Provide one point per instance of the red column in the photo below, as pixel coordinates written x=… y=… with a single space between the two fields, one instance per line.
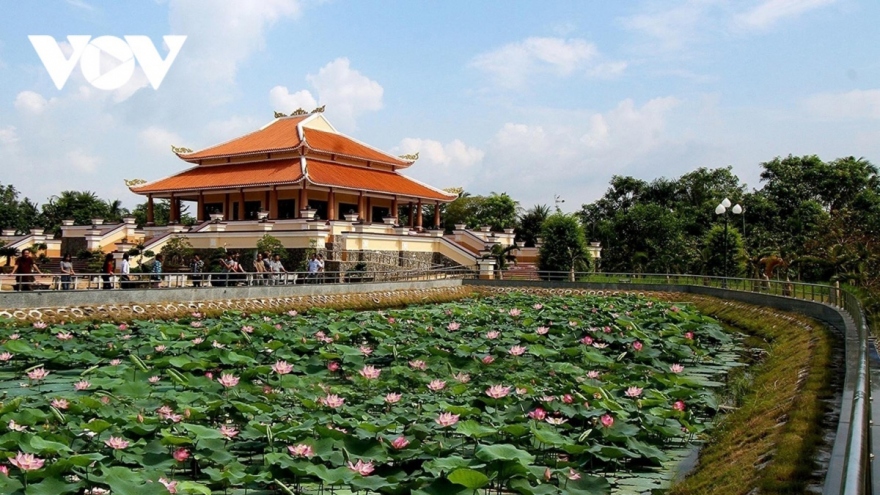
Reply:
x=436 y=214
x=331 y=205
x=303 y=201
x=150 y=218
x=200 y=213
x=412 y=216
x=241 y=204
x=227 y=209
x=172 y=210
x=362 y=207
x=419 y=215
x=273 y=203
x=394 y=207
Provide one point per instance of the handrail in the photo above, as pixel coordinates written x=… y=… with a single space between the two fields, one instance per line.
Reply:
x=852 y=473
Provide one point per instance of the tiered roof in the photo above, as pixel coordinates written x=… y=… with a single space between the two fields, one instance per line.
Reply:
x=290 y=150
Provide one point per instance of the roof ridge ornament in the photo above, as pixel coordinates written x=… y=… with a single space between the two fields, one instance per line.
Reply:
x=410 y=157
x=279 y=115
x=134 y=182
x=180 y=150
x=298 y=111
x=318 y=110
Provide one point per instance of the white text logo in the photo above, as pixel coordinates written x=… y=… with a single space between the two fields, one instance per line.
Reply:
x=107 y=62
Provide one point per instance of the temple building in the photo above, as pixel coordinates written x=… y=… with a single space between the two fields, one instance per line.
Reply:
x=296 y=166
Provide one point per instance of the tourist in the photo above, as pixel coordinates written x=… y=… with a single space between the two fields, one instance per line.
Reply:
x=67 y=272
x=156 y=272
x=277 y=268
x=24 y=267
x=314 y=266
x=320 y=268
x=260 y=269
x=125 y=278
x=197 y=266
x=226 y=269
x=107 y=271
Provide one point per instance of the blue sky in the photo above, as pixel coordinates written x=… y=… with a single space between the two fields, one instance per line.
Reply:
x=530 y=98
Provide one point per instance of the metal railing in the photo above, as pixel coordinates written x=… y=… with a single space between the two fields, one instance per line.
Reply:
x=850 y=466
x=172 y=280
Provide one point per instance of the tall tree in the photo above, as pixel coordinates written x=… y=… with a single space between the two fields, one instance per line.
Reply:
x=530 y=223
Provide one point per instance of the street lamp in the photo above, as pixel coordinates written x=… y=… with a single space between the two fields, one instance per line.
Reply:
x=721 y=209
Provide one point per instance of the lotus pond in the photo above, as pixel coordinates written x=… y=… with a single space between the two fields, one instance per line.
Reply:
x=504 y=394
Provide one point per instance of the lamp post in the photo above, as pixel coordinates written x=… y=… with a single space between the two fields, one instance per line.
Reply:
x=721 y=209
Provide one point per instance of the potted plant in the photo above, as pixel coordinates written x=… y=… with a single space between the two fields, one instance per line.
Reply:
x=351 y=216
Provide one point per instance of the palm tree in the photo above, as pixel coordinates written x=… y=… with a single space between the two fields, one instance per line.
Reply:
x=8 y=252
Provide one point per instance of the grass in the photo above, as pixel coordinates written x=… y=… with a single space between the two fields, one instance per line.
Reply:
x=769 y=441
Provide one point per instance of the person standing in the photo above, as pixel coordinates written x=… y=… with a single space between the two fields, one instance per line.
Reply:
x=156 y=272
x=24 y=267
x=107 y=271
x=277 y=269
x=197 y=266
x=320 y=268
x=125 y=278
x=67 y=272
x=260 y=269
x=313 y=267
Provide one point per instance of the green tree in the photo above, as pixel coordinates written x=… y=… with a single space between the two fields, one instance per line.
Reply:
x=716 y=244
x=498 y=211
x=272 y=245
x=81 y=206
x=177 y=251
x=564 y=248
x=530 y=223
x=463 y=210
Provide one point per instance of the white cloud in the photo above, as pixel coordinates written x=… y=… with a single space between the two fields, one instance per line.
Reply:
x=283 y=101
x=513 y=64
x=80 y=5
x=441 y=165
x=82 y=161
x=159 y=139
x=853 y=105
x=769 y=12
x=347 y=92
x=671 y=27
x=8 y=136
x=30 y=102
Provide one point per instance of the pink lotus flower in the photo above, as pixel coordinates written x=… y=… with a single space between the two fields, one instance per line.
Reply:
x=64 y=336
x=446 y=419
x=4 y=470
x=573 y=475
x=521 y=390
x=633 y=392
x=228 y=431
x=81 y=385
x=676 y=368
x=607 y=420
x=548 y=398
x=537 y=307
x=217 y=345
x=247 y=329
x=362 y=468
x=687 y=335
x=38 y=374
x=164 y=411
x=437 y=385
x=542 y=330
x=400 y=443
x=494 y=334
x=674 y=309
x=301 y=450
x=115 y=362
x=282 y=367
x=592 y=374
x=515 y=312
x=333 y=366
x=600 y=345
x=587 y=340
x=60 y=404
x=637 y=346
x=228 y=380
x=678 y=405
x=180 y=455
x=366 y=350
x=370 y=372
x=418 y=364
x=572 y=323
x=26 y=462
x=488 y=360
x=14 y=336
x=292 y=313
x=123 y=327
x=195 y=324
x=538 y=414
x=161 y=348
x=13 y=426
x=198 y=340
x=116 y=443
x=40 y=325
x=556 y=421
x=333 y=401
x=606 y=329
x=391 y=320
x=169 y=485
x=6 y=356
x=567 y=398
x=196 y=314
x=497 y=391
x=452 y=327
x=392 y=398
x=462 y=377
x=209 y=375
x=153 y=379
x=517 y=350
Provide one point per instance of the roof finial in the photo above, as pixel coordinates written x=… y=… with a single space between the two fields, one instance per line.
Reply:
x=319 y=109
x=180 y=150
x=410 y=157
x=134 y=182
x=278 y=115
x=299 y=111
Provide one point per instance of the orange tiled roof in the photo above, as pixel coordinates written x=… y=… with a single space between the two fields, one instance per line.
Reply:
x=339 y=144
x=281 y=134
x=357 y=178
x=226 y=176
